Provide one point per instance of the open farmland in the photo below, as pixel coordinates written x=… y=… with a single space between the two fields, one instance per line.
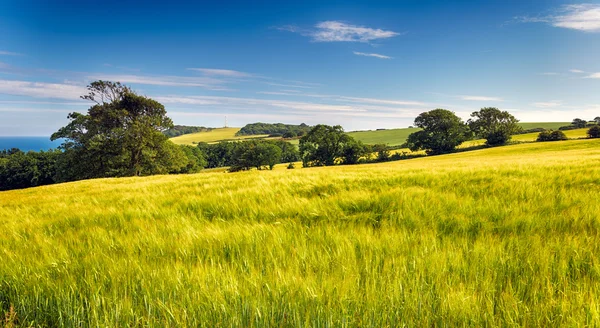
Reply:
x=504 y=236
x=215 y=135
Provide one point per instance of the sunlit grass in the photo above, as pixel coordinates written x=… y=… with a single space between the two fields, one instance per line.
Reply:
x=215 y=135
x=505 y=236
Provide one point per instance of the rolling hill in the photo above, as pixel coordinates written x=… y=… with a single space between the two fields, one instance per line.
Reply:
x=505 y=236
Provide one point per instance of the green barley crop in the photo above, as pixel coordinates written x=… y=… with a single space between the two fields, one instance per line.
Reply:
x=506 y=236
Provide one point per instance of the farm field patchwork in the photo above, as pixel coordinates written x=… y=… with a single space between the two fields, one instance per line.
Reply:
x=505 y=236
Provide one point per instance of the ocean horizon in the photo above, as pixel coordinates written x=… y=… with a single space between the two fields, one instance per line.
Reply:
x=33 y=143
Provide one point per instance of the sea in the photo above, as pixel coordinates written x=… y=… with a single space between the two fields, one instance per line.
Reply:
x=28 y=143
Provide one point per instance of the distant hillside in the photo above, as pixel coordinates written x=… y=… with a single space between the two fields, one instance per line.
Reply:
x=179 y=130
x=274 y=129
x=212 y=136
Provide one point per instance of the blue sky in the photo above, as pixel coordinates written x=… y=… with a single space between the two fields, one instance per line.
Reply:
x=360 y=64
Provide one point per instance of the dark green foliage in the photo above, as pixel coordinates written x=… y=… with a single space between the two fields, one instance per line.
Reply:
x=218 y=155
x=594 y=131
x=258 y=154
x=579 y=123
x=552 y=136
x=323 y=145
x=291 y=166
x=23 y=170
x=568 y=127
x=442 y=132
x=244 y=155
x=383 y=152
x=195 y=160
x=119 y=136
x=493 y=125
x=274 y=129
x=534 y=130
x=353 y=151
x=179 y=130
x=597 y=119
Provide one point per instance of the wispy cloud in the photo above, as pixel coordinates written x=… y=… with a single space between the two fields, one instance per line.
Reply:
x=165 y=80
x=41 y=90
x=547 y=104
x=288 y=28
x=9 y=53
x=372 y=55
x=549 y=73
x=577 y=71
x=594 y=76
x=335 y=31
x=382 y=101
x=289 y=85
x=581 y=17
x=480 y=98
x=220 y=72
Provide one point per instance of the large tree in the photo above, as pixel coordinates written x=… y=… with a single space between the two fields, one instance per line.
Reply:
x=493 y=125
x=442 y=131
x=323 y=144
x=121 y=135
x=597 y=119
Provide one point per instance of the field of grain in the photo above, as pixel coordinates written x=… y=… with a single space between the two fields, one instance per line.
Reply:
x=505 y=236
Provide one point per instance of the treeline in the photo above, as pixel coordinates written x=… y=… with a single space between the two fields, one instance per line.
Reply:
x=274 y=129
x=178 y=130
x=244 y=155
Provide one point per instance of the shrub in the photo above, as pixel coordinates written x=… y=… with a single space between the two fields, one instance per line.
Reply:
x=594 y=132
x=568 y=127
x=552 y=136
x=291 y=166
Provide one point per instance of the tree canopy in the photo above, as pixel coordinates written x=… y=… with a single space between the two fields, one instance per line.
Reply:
x=579 y=123
x=323 y=144
x=493 y=125
x=280 y=129
x=442 y=131
x=121 y=135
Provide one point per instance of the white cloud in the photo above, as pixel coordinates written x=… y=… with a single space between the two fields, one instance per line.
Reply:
x=577 y=71
x=547 y=104
x=550 y=73
x=41 y=90
x=289 y=85
x=382 y=101
x=334 y=31
x=480 y=98
x=181 y=81
x=594 y=76
x=9 y=53
x=581 y=17
x=372 y=55
x=220 y=72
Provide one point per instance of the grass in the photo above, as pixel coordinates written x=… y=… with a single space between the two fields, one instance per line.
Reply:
x=545 y=125
x=505 y=236
x=213 y=136
x=391 y=137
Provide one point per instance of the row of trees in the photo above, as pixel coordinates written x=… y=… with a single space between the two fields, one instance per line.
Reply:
x=244 y=155
x=274 y=129
x=178 y=130
x=442 y=131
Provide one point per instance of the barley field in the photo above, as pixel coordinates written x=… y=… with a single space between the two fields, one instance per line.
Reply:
x=506 y=236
